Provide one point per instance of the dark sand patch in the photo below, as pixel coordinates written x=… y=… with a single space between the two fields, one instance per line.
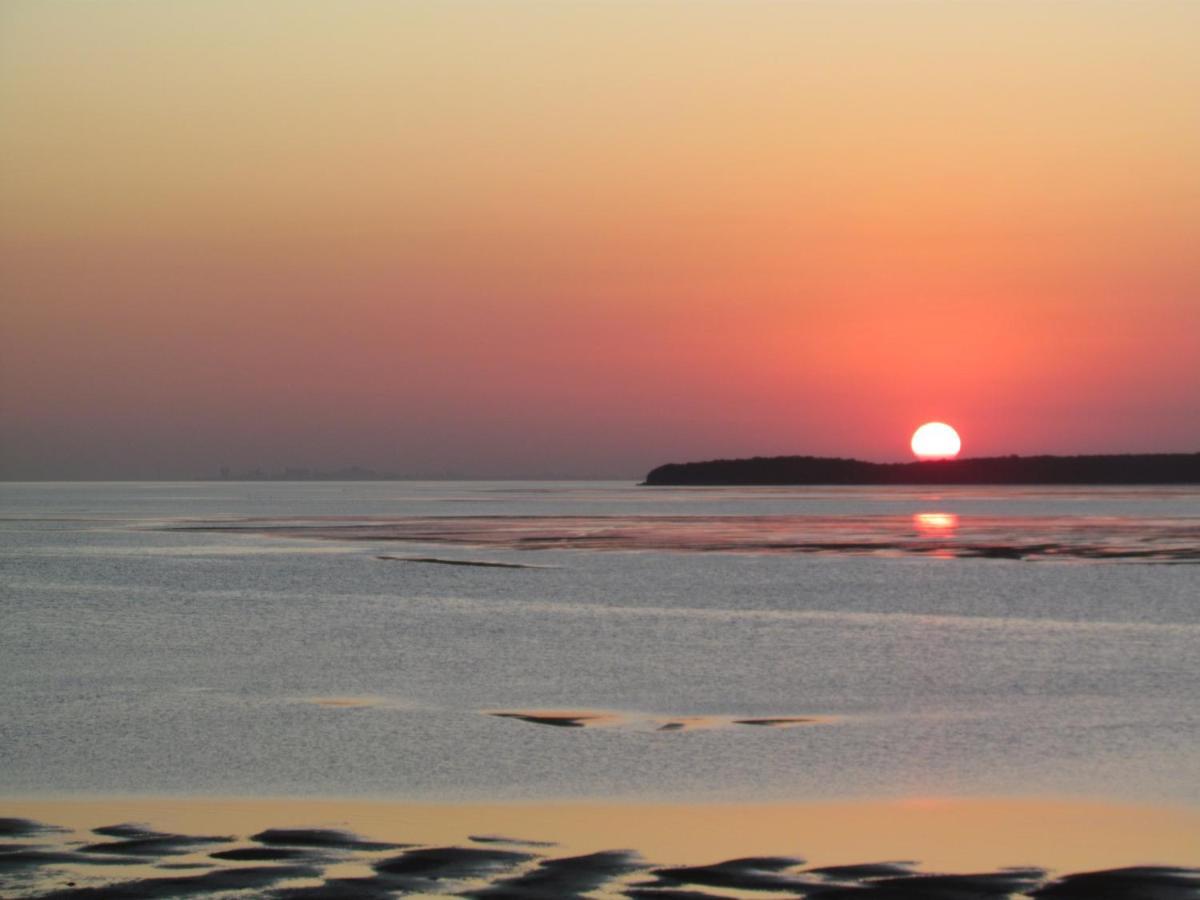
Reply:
x=266 y=854
x=500 y=839
x=340 y=889
x=323 y=838
x=11 y=827
x=567 y=877
x=861 y=871
x=938 y=887
x=558 y=720
x=37 y=858
x=1134 y=883
x=752 y=873
x=679 y=723
x=213 y=882
x=125 y=830
x=419 y=870
x=479 y=563
x=137 y=841
x=779 y=722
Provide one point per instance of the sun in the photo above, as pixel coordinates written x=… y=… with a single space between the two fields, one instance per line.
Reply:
x=936 y=440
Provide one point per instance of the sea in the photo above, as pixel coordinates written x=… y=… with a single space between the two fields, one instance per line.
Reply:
x=476 y=642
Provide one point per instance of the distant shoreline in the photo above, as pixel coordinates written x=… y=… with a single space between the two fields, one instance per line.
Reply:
x=1109 y=469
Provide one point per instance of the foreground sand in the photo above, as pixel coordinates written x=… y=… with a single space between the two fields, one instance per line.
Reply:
x=335 y=848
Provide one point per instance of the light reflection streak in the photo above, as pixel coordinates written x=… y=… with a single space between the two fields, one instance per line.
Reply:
x=936 y=524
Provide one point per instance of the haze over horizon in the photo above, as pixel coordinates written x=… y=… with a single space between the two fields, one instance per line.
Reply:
x=535 y=240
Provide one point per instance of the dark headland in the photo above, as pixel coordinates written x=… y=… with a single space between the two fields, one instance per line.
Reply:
x=1139 y=468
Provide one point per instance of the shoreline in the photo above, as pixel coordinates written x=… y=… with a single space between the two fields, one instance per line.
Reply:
x=936 y=833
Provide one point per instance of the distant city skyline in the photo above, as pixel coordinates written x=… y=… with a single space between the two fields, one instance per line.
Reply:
x=530 y=240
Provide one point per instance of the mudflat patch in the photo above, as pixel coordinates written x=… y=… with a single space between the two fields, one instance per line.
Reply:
x=476 y=563
x=650 y=721
x=778 y=722
x=290 y=863
x=559 y=719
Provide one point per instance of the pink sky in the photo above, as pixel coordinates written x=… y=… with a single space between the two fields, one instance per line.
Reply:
x=557 y=240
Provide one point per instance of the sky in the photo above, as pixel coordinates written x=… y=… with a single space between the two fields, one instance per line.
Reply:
x=517 y=239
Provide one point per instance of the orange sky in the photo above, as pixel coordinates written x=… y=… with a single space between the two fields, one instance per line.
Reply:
x=567 y=238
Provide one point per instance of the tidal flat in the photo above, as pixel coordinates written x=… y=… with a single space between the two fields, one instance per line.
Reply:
x=221 y=688
x=917 y=848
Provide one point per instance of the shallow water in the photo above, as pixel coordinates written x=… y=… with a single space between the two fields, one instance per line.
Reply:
x=143 y=654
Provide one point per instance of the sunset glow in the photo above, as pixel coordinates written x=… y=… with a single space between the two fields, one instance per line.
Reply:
x=534 y=239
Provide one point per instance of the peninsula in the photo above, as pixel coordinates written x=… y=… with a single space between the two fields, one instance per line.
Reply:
x=1142 y=468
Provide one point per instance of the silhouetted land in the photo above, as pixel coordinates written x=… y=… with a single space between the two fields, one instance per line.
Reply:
x=1143 y=468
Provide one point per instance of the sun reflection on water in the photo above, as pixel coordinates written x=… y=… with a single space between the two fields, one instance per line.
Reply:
x=935 y=524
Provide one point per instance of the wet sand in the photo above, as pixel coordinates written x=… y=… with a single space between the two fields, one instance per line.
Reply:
x=158 y=847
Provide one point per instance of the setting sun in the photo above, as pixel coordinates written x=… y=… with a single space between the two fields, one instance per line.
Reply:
x=936 y=440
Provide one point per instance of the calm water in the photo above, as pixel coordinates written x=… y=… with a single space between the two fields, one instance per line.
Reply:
x=139 y=654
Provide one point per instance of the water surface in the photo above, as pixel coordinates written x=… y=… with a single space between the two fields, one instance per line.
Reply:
x=143 y=652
